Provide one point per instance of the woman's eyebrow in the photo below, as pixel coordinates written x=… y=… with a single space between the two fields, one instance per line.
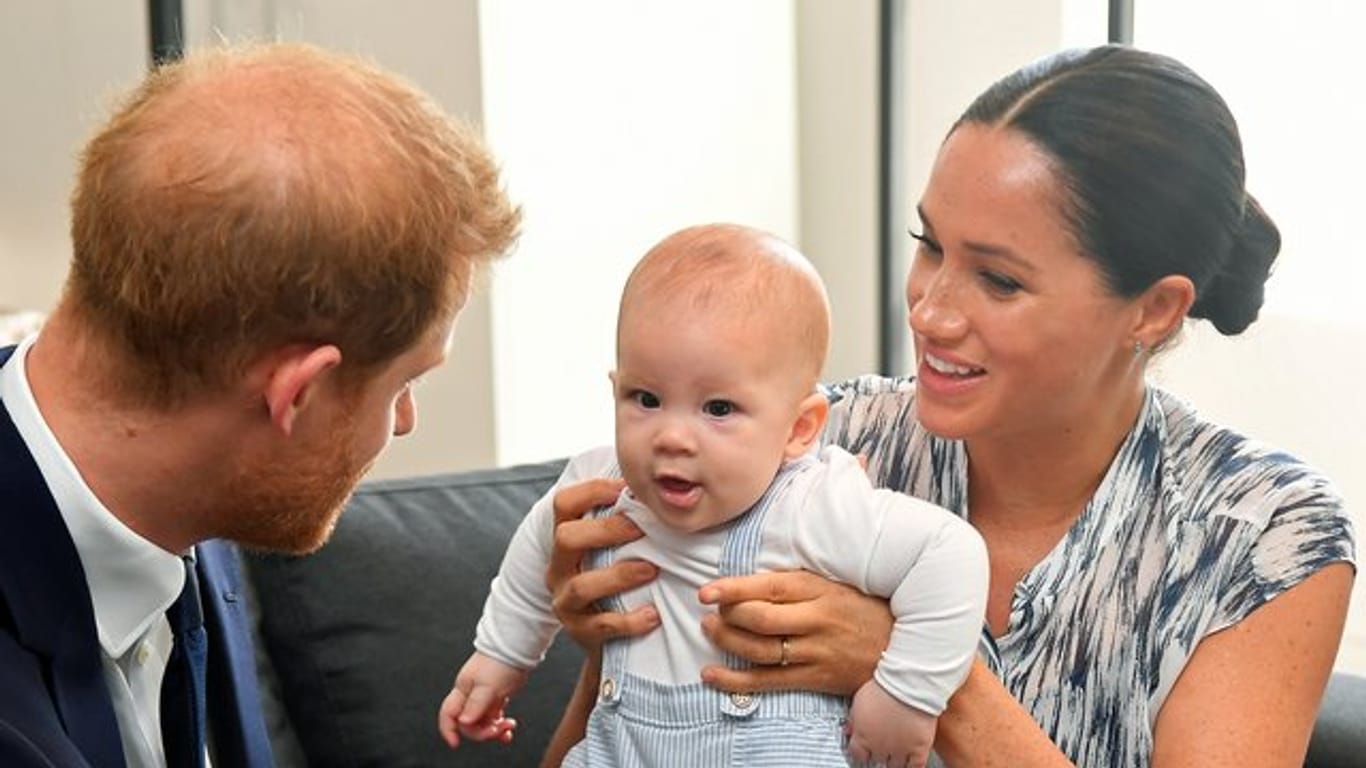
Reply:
x=980 y=248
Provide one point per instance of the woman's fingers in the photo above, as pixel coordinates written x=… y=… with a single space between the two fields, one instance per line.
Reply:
x=574 y=501
x=591 y=630
x=595 y=533
x=586 y=589
x=574 y=536
x=772 y=587
x=575 y=595
x=777 y=603
x=834 y=633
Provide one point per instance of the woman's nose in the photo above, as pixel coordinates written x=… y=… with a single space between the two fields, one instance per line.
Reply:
x=934 y=302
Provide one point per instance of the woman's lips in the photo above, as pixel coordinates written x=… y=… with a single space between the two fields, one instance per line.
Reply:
x=943 y=377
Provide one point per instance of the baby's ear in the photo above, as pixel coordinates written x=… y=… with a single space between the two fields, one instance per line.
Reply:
x=806 y=428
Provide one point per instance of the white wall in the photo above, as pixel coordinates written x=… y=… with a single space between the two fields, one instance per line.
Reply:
x=837 y=136
x=618 y=122
x=60 y=63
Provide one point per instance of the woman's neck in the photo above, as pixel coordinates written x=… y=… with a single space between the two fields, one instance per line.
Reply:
x=1045 y=476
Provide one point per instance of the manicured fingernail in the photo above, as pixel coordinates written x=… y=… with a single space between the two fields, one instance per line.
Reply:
x=709 y=623
x=709 y=594
x=651 y=615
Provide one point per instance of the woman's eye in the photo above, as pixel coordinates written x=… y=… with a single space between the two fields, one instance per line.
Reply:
x=999 y=283
x=645 y=399
x=719 y=408
x=925 y=243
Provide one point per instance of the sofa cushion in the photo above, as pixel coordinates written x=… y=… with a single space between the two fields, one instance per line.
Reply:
x=365 y=635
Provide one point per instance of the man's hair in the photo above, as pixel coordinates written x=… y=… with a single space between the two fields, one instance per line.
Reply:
x=245 y=199
x=731 y=268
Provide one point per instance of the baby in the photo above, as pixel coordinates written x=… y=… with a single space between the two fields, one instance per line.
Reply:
x=721 y=335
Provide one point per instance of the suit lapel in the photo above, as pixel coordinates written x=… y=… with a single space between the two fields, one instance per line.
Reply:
x=43 y=585
x=239 y=728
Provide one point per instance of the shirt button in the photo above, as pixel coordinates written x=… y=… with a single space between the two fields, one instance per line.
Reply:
x=142 y=653
x=609 y=686
x=742 y=700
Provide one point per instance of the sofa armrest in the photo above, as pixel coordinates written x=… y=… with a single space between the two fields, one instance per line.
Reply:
x=1339 y=739
x=366 y=634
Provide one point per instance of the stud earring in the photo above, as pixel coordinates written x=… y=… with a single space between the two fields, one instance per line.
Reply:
x=1138 y=348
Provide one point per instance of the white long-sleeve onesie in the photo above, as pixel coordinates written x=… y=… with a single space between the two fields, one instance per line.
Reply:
x=828 y=520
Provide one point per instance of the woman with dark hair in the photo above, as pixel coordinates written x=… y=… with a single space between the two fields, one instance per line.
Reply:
x=1163 y=590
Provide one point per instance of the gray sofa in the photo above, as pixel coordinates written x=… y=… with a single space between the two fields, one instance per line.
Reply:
x=361 y=640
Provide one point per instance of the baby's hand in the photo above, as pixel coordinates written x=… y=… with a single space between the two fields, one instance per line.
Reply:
x=883 y=731
x=474 y=707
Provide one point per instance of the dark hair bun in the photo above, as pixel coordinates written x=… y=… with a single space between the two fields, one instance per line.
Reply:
x=1233 y=295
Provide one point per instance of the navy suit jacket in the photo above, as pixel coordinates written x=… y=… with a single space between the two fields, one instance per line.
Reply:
x=54 y=707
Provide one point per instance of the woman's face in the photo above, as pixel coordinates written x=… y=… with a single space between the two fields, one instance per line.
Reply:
x=1015 y=333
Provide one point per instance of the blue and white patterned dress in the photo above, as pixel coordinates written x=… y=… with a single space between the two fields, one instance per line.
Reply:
x=1191 y=530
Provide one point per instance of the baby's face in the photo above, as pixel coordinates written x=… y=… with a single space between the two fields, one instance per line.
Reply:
x=705 y=407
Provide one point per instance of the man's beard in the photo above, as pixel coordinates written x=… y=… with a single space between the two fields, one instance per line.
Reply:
x=292 y=507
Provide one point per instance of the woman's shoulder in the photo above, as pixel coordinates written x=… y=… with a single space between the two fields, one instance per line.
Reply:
x=871 y=386
x=879 y=404
x=1269 y=517
x=1221 y=471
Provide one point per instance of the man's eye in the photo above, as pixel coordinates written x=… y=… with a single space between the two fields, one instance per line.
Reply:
x=719 y=408
x=645 y=399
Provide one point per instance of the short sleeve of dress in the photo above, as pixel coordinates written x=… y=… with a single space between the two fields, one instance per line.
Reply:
x=1308 y=529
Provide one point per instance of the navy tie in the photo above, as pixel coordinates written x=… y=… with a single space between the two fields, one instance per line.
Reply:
x=182 y=690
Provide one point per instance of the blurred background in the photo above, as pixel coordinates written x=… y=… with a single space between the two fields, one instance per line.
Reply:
x=619 y=121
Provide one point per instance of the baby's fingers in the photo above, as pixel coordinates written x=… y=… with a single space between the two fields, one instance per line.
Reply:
x=479 y=703
x=497 y=729
x=446 y=718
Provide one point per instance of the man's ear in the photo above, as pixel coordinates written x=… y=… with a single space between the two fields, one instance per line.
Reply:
x=293 y=378
x=806 y=429
x=1162 y=308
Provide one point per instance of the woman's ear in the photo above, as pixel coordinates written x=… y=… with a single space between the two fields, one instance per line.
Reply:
x=806 y=428
x=292 y=378
x=1162 y=308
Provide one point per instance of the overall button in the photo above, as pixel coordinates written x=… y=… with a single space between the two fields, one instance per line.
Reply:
x=742 y=700
x=609 y=687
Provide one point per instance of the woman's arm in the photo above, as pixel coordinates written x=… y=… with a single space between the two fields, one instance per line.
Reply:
x=837 y=635
x=575 y=595
x=1249 y=694
x=1247 y=697
x=985 y=726
x=574 y=723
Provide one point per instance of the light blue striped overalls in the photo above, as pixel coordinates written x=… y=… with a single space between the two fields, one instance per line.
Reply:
x=644 y=723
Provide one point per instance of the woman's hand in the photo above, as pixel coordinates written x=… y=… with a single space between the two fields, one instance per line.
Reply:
x=801 y=630
x=574 y=594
